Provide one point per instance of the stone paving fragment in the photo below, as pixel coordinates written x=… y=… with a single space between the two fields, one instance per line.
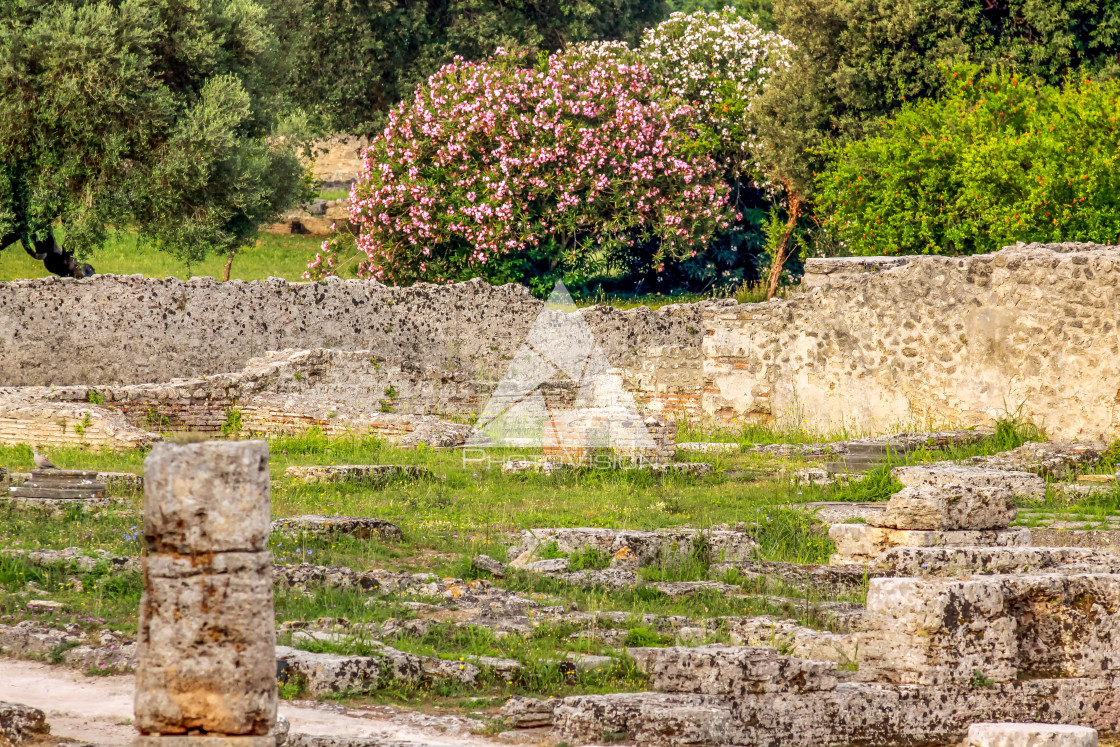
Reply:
x=80 y=558
x=731 y=670
x=646 y=718
x=489 y=565
x=337 y=673
x=362 y=474
x=647 y=545
x=968 y=561
x=358 y=527
x=528 y=713
x=1030 y=735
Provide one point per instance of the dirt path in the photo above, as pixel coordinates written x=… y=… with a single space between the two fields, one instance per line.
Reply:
x=99 y=710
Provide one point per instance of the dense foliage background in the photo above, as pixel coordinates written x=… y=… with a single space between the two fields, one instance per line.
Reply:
x=814 y=127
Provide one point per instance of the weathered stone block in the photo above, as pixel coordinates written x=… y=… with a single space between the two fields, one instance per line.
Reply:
x=947 y=508
x=20 y=723
x=967 y=561
x=209 y=740
x=937 y=631
x=335 y=673
x=207 y=497
x=731 y=670
x=646 y=719
x=362 y=474
x=860 y=543
x=205 y=645
x=949 y=475
x=1030 y=735
x=646 y=545
x=1053 y=459
x=358 y=527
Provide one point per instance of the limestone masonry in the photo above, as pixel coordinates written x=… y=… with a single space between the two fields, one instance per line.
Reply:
x=871 y=344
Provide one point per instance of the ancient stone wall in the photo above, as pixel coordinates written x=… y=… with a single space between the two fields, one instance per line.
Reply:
x=442 y=349
x=874 y=344
x=871 y=345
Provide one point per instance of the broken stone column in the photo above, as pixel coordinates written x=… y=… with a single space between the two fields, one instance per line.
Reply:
x=206 y=670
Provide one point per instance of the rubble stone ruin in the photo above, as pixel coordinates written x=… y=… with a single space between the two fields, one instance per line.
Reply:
x=206 y=669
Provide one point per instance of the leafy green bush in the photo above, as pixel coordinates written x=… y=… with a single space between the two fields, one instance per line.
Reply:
x=999 y=159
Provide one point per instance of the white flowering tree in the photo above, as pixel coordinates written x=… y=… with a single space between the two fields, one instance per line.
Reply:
x=720 y=63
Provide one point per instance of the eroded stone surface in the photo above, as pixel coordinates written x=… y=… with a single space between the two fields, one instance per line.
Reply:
x=362 y=474
x=860 y=543
x=206 y=634
x=949 y=475
x=20 y=724
x=966 y=561
x=947 y=508
x=358 y=527
x=528 y=713
x=731 y=670
x=942 y=631
x=646 y=546
x=863 y=714
x=205 y=646
x=1030 y=735
x=207 y=497
x=335 y=673
x=1054 y=459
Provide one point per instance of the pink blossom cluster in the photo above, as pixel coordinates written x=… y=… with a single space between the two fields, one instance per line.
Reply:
x=491 y=160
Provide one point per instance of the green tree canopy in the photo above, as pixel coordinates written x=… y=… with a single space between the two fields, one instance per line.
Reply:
x=353 y=60
x=998 y=159
x=860 y=60
x=162 y=114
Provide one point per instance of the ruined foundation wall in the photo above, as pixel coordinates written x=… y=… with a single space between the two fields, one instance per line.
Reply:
x=448 y=345
x=877 y=343
x=872 y=344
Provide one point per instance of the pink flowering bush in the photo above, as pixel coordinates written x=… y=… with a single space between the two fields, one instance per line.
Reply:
x=516 y=173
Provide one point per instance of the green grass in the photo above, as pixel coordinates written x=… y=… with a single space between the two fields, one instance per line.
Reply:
x=273 y=255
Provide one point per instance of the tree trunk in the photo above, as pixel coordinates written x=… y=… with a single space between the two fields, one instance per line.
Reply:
x=782 y=253
x=229 y=265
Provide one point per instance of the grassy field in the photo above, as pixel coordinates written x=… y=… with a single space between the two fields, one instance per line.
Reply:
x=469 y=507
x=275 y=255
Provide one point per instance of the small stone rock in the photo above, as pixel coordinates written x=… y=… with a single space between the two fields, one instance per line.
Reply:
x=20 y=723
x=552 y=565
x=528 y=713
x=489 y=565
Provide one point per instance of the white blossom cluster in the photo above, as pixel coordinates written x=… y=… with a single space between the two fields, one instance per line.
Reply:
x=720 y=63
